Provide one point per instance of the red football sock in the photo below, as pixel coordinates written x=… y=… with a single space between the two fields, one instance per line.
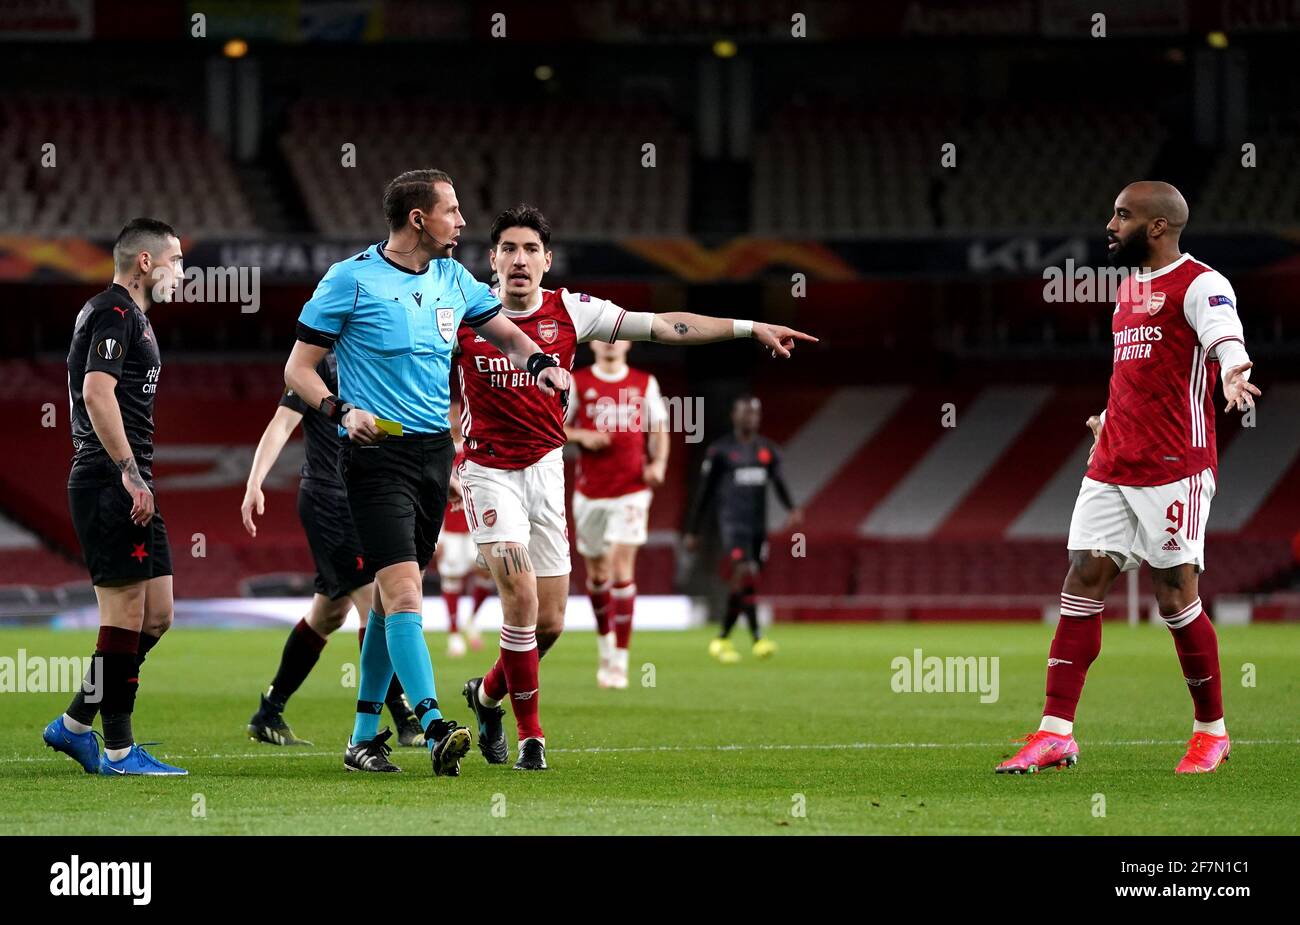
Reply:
x=479 y=593
x=519 y=658
x=452 y=600
x=1198 y=652
x=623 y=599
x=1074 y=647
x=599 y=594
x=494 y=682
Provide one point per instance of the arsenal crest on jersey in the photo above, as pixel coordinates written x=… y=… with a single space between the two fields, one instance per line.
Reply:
x=446 y=323
x=1155 y=302
x=548 y=329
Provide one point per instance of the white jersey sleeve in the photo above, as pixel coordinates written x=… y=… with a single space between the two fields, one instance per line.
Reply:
x=601 y=319
x=1210 y=307
x=654 y=404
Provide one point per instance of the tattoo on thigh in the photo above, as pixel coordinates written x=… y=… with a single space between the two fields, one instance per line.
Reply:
x=514 y=559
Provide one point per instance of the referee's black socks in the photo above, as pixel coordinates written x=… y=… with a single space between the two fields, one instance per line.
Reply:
x=301 y=653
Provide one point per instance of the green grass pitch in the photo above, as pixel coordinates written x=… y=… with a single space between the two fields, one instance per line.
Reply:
x=812 y=741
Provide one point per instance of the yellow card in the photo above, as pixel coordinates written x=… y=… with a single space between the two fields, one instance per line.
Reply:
x=389 y=427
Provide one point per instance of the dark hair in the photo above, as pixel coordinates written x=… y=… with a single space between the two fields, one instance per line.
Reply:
x=411 y=190
x=139 y=234
x=522 y=216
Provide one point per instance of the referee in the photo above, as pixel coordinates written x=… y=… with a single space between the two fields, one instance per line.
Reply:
x=113 y=371
x=391 y=313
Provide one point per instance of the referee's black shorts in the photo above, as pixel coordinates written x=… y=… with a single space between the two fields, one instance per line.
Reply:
x=117 y=550
x=397 y=492
x=341 y=565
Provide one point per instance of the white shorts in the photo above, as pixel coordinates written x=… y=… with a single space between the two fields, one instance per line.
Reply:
x=1163 y=525
x=602 y=521
x=524 y=506
x=456 y=554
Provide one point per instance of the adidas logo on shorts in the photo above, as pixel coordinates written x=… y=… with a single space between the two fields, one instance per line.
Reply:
x=1172 y=546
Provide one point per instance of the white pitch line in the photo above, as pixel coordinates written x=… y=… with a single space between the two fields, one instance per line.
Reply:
x=291 y=752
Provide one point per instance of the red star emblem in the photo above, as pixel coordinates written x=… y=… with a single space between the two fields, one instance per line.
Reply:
x=764 y=456
x=139 y=554
x=361 y=563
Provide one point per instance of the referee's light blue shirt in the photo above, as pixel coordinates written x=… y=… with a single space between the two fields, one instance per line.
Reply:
x=392 y=330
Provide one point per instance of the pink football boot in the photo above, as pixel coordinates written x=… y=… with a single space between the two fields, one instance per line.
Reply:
x=1042 y=749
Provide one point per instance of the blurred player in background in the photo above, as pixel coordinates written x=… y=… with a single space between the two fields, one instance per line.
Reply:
x=113 y=372
x=1151 y=473
x=343 y=578
x=512 y=478
x=617 y=416
x=737 y=470
x=458 y=563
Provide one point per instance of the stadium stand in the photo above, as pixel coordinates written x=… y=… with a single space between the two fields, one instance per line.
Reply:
x=843 y=172
x=139 y=158
x=593 y=150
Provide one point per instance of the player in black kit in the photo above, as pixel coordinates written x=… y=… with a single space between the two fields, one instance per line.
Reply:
x=737 y=470
x=113 y=371
x=342 y=576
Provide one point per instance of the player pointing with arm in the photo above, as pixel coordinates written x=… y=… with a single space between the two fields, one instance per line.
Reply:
x=391 y=315
x=1152 y=472
x=513 y=475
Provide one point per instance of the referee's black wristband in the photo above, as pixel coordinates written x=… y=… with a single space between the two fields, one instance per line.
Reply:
x=538 y=362
x=334 y=408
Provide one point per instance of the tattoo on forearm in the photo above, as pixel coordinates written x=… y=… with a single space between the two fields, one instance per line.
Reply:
x=515 y=560
x=132 y=472
x=681 y=328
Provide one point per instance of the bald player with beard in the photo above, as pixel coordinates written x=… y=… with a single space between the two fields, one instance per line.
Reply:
x=1152 y=471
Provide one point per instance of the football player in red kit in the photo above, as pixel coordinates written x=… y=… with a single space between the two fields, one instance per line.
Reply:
x=1152 y=472
x=617 y=416
x=512 y=478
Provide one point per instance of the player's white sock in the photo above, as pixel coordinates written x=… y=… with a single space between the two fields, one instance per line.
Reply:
x=605 y=646
x=116 y=754
x=1056 y=725
x=1216 y=728
x=484 y=699
x=620 y=660
x=73 y=726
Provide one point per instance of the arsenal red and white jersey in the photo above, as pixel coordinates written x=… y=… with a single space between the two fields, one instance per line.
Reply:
x=454 y=521
x=506 y=421
x=626 y=406
x=1167 y=328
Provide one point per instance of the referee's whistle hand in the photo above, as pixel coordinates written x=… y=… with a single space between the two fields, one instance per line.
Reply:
x=552 y=380
x=361 y=427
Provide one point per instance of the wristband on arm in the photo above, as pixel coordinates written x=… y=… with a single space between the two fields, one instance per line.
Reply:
x=334 y=408
x=538 y=362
